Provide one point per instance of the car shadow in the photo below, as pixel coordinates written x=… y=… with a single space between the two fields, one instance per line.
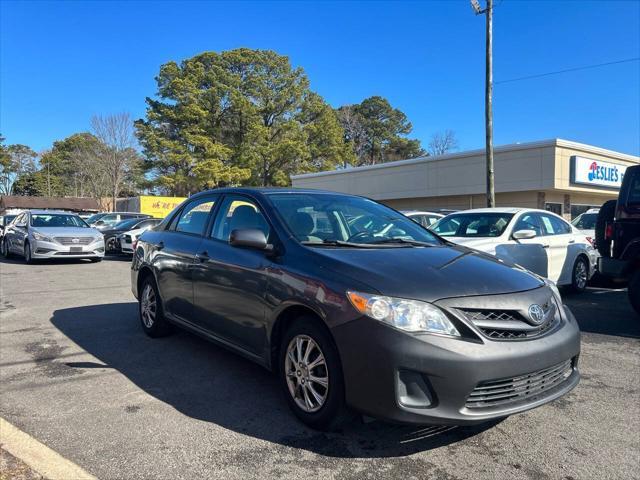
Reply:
x=17 y=260
x=604 y=311
x=209 y=383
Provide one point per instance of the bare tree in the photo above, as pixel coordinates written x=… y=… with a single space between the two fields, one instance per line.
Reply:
x=16 y=160
x=443 y=142
x=118 y=155
x=354 y=132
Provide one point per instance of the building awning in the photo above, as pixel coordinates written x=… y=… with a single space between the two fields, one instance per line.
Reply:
x=53 y=203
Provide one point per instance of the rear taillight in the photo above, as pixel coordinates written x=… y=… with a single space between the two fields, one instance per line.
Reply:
x=590 y=240
x=134 y=244
x=608 y=231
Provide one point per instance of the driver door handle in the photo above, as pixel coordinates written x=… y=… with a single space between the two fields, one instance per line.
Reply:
x=546 y=245
x=203 y=256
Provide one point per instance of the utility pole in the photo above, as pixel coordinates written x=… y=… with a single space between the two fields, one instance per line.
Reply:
x=488 y=93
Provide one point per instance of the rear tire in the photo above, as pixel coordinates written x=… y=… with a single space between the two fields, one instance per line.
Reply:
x=580 y=275
x=150 y=310
x=321 y=408
x=605 y=216
x=5 y=249
x=633 y=290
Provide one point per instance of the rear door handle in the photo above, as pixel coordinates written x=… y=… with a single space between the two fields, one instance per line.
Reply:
x=572 y=241
x=203 y=256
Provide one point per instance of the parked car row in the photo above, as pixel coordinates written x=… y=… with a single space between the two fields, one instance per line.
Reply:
x=46 y=234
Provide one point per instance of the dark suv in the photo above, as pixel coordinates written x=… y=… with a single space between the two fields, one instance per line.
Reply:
x=618 y=236
x=355 y=305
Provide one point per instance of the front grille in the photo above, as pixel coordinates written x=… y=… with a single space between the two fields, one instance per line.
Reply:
x=71 y=253
x=520 y=389
x=70 y=240
x=511 y=324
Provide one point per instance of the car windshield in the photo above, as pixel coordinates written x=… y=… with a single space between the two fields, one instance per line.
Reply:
x=473 y=224
x=336 y=219
x=126 y=224
x=57 y=220
x=586 y=221
x=95 y=217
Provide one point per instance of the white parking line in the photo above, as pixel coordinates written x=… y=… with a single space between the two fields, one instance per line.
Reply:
x=38 y=456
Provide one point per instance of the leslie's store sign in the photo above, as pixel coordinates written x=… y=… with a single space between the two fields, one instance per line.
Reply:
x=596 y=173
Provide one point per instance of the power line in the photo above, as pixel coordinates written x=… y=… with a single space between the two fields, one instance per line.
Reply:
x=597 y=65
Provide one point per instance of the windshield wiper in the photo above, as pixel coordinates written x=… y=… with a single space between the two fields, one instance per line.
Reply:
x=337 y=243
x=401 y=241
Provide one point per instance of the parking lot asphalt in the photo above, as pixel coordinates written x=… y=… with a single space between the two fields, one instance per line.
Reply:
x=78 y=374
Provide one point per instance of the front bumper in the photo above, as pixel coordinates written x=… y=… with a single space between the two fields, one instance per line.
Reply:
x=427 y=379
x=42 y=250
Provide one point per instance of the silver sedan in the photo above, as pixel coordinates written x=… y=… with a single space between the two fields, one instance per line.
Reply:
x=46 y=234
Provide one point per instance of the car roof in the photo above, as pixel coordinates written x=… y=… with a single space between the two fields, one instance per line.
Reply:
x=420 y=212
x=270 y=190
x=512 y=210
x=50 y=212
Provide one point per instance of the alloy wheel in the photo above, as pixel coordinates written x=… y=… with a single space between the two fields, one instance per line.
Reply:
x=306 y=373
x=148 y=306
x=581 y=275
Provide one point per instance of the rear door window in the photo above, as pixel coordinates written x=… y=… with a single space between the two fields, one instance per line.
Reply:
x=554 y=226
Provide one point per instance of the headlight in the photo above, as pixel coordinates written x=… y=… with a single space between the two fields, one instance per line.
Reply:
x=407 y=315
x=554 y=288
x=41 y=237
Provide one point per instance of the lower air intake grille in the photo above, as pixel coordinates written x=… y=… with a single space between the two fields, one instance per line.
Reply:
x=524 y=388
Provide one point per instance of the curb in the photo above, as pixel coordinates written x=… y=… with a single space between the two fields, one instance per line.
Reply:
x=38 y=456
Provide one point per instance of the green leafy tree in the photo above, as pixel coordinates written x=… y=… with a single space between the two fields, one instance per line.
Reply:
x=376 y=132
x=240 y=116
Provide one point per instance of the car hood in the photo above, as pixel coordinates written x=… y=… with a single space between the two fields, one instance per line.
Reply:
x=67 y=231
x=428 y=274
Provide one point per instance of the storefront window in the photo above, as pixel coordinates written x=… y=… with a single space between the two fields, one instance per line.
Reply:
x=553 y=207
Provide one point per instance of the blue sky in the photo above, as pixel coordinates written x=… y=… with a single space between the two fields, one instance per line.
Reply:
x=62 y=62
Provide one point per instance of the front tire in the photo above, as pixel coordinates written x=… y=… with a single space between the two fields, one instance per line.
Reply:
x=28 y=257
x=580 y=275
x=633 y=290
x=150 y=310
x=311 y=375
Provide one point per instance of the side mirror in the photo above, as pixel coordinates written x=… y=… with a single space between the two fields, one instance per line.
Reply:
x=524 y=234
x=249 y=237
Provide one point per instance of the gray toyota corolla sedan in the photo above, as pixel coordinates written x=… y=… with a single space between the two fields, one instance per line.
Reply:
x=356 y=307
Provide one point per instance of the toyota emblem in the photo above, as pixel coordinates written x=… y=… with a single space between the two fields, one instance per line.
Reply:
x=536 y=314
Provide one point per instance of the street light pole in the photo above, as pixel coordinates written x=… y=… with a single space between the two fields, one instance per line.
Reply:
x=488 y=93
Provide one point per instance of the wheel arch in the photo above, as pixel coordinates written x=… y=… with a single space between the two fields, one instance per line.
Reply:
x=144 y=273
x=282 y=322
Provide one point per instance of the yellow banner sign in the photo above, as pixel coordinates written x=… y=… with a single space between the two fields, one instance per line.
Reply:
x=159 y=207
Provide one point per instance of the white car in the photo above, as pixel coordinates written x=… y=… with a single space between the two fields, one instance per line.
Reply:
x=539 y=241
x=128 y=239
x=426 y=219
x=586 y=223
